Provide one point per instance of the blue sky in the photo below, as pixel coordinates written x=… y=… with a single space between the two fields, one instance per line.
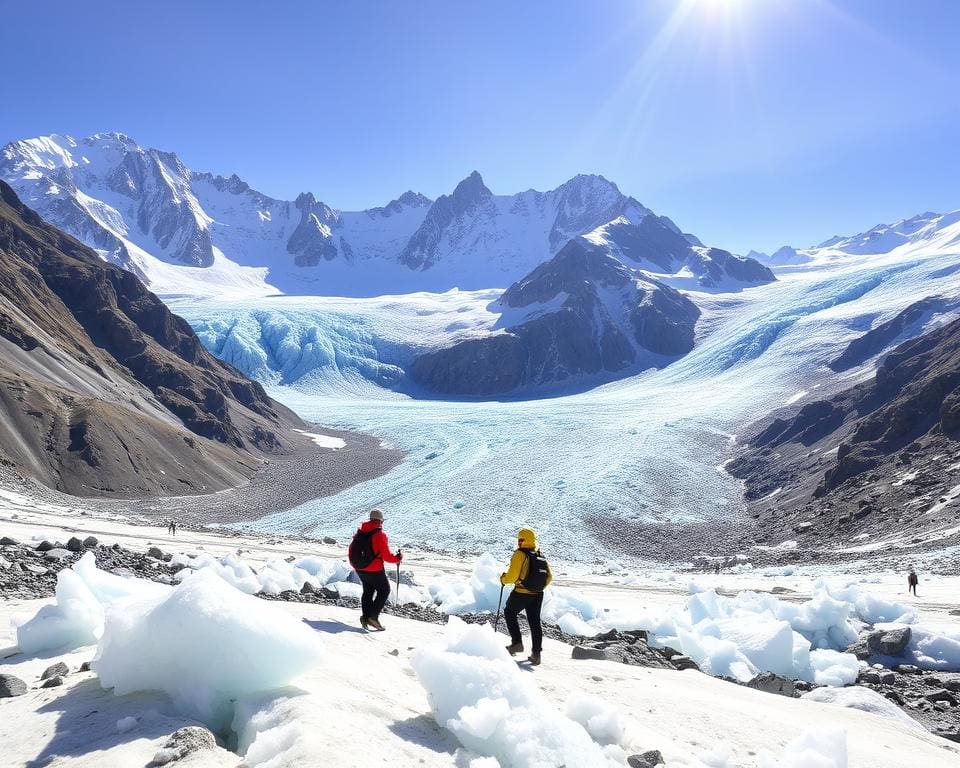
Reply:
x=752 y=123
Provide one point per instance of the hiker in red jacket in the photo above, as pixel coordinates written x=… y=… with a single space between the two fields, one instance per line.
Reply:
x=369 y=550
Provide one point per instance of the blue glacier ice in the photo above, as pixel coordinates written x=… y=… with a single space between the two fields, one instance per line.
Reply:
x=648 y=448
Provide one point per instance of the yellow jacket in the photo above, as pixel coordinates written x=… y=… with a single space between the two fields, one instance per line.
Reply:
x=519 y=563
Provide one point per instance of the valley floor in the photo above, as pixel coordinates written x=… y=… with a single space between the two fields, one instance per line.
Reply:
x=325 y=463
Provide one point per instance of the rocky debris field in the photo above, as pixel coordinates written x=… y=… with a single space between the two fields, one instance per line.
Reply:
x=29 y=571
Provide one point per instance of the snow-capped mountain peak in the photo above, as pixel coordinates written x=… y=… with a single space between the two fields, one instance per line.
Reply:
x=883 y=238
x=146 y=210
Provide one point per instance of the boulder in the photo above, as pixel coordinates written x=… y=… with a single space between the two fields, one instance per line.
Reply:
x=906 y=669
x=74 y=544
x=85 y=667
x=54 y=670
x=867 y=645
x=329 y=594
x=90 y=542
x=329 y=540
x=942 y=695
x=44 y=546
x=684 y=662
x=155 y=552
x=771 y=683
x=184 y=742
x=587 y=652
x=7 y=541
x=52 y=682
x=894 y=642
x=11 y=686
x=647 y=759
x=307 y=588
x=56 y=554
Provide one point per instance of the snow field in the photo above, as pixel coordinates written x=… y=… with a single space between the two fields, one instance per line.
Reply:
x=866 y=700
x=814 y=749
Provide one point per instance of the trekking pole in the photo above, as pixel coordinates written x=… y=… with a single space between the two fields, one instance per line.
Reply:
x=500 y=600
x=396 y=602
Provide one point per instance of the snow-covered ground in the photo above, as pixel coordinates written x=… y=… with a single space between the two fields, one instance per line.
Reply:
x=419 y=693
x=646 y=449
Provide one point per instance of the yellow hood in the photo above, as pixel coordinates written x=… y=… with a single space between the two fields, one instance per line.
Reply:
x=529 y=538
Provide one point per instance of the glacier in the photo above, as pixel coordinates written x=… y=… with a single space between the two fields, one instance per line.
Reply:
x=643 y=450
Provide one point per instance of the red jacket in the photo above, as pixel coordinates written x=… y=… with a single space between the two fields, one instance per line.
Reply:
x=381 y=547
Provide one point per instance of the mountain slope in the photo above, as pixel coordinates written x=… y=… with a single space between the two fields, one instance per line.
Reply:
x=582 y=314
x=883 y=453
x=103 y=391
x=188 y=232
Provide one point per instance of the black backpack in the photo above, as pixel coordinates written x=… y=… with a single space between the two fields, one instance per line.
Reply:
x=537 y=571
x=361 y=553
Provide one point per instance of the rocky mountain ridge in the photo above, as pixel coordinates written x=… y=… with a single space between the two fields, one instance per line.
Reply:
x=103 y=390
x=578 y=317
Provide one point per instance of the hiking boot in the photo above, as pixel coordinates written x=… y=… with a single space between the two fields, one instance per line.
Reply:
x=364 y=622
x=534 y=658
x=375 y=623
x=515 y=648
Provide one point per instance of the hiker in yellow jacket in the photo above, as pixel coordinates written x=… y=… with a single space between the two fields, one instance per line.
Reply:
x=530 y=574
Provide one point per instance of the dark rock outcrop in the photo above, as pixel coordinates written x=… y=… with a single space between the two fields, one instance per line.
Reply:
x=312 y=241
x=838 y=460
x=581 y=314
x=118 y=396
x=874 y=341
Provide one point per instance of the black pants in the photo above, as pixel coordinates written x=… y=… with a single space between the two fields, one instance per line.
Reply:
x=376 y=590
x=531 y=604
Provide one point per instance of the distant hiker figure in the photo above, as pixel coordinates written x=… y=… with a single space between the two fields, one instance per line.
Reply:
x=368 y=551
x=173 y=527
x=530 y=574
x=912 y=582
